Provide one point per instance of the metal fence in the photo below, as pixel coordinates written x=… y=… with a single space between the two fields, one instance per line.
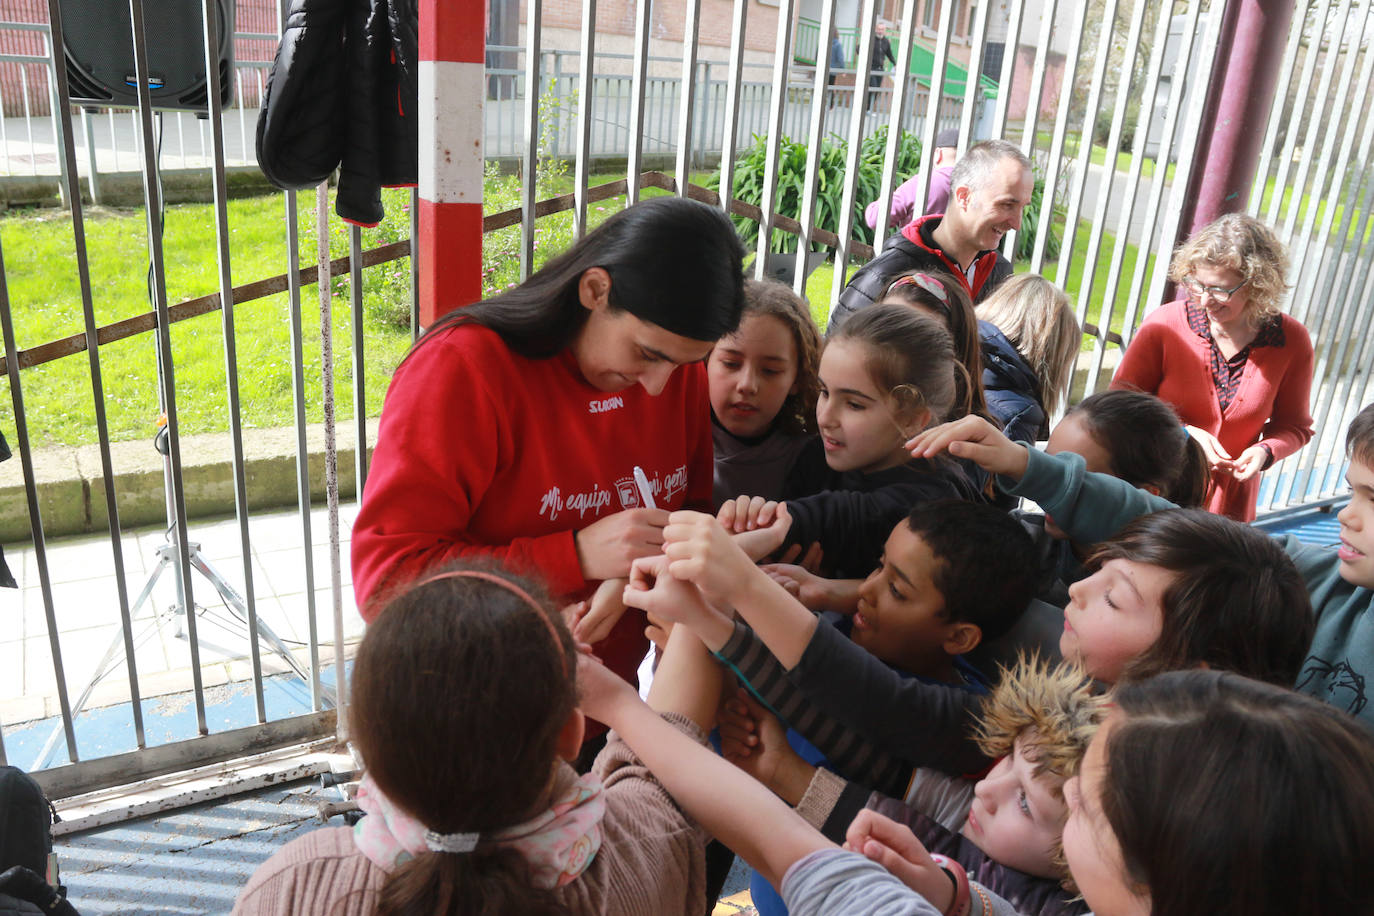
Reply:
x=1114 y=213
x=611 y=97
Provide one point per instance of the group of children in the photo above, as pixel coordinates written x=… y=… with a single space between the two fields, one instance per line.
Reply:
x=923 y=703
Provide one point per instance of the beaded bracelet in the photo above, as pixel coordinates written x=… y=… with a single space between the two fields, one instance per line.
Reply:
x=962 y=901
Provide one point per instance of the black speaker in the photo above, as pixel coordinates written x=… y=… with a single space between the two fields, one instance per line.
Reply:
x=99 y=47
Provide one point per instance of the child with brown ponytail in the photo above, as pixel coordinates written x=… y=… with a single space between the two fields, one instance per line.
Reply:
x=465 y=711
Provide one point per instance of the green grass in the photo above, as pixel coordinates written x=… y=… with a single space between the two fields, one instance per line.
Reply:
x=1098 y=155
x=45 y=299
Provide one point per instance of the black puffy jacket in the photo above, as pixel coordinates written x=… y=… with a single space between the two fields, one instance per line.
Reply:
x=342 y=93
x=1011 y=387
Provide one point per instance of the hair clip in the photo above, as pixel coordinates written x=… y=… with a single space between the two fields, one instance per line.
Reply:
x=451 y=842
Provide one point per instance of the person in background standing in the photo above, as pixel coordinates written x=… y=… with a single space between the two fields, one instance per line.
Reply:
x=903 y=206
x=882 y=51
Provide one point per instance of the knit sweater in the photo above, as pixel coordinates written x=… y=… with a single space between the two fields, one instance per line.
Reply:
x=1271 y=406
x=1092 y=507
x=482 y=451
x=652 y=858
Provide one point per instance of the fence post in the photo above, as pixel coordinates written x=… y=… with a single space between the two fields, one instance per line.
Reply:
x=452 y=48
x=1239 y=95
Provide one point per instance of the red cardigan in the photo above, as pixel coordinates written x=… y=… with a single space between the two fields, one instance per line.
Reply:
x=482 y=451
x=1272 y=405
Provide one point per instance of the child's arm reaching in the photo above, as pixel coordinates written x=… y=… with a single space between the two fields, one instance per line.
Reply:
x=701 y=552
x=732 y=806
x=1088 y=507
x=816 y=592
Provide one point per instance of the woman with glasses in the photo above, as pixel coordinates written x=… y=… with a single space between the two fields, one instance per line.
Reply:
x=1237 y=370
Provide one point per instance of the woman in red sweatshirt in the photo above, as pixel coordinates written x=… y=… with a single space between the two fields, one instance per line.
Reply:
x=514 y=426
x=1235 y=368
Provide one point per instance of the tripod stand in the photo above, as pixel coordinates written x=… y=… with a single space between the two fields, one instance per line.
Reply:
x=166 y=555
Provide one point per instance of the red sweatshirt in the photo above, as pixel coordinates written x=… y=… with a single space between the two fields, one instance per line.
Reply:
x=1271 y=406
x=482 y=451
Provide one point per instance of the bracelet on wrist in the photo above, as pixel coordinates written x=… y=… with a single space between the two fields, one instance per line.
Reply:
x=962 y=902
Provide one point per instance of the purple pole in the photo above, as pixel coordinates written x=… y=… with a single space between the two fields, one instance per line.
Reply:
x=1239 y=95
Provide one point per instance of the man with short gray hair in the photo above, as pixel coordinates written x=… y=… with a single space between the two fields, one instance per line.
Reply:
x=989 y=188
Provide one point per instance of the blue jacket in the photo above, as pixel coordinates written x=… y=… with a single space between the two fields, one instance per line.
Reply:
x=1011 y=387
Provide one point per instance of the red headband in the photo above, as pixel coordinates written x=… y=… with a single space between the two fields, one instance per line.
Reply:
x=514 y=589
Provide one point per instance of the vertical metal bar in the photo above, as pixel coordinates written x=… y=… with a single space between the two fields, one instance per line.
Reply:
x=21 y=432
x=852 y=152
x=414 y=266
x=1152 y=208
x=900 y=88
x=114 y=140
x=83 y=270
x=1309 y=66
x=814 y=140
x=937 y=93
x=93 y=166
x=776 y=107
x=534 y=88
x=1104 y=192
x=1197 y=102
x=1276 y=112
x=355 y=295
x=972 y=85
x=634 y=162
x=153 y=202
x=1332 y=349
x=58 y=115
x=1123 y=226
x=1315 y=126
x=1085 y=148
x=1056 y=157
x=1319 y=191
x=293 y=286
x=585 y=79
x=1028 y=131
x=687 y=96
x=28 y=117
x=210 y=11
x=331 y=456
x=1015 y=20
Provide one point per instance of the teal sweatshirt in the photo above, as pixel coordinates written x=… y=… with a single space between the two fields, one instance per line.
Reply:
x=1093 y=507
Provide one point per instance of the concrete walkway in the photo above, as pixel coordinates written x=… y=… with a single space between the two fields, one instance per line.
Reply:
x=87 y=613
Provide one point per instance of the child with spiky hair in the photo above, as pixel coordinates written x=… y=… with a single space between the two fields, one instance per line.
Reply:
x=1003 y=831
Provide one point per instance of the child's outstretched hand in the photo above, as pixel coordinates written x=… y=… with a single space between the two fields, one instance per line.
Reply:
x=671 y=600
x=747 y=513
x=700 y=551
x=895 y=848
x=603 y=612
x=975 y=439
x=754 y=740
x=816 y=592
x=603 y=693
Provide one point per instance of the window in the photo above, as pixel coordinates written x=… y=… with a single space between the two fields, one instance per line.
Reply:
x=929 y=14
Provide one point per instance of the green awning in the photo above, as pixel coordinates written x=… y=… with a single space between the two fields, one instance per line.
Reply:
x=956 y=77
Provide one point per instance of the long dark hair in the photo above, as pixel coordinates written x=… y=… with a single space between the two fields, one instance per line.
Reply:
x=1147 y=443
x=1220 y=788
x=460 y=689
x=673 y=262
x=1237 y=602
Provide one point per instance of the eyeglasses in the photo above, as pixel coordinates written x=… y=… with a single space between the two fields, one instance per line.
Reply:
x=920 y=281
x=1218 y=293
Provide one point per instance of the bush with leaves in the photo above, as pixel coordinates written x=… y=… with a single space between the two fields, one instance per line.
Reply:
x=1030 y=223
x=750 y=173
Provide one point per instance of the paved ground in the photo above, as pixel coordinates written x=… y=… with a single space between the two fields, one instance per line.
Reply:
x=86 y=609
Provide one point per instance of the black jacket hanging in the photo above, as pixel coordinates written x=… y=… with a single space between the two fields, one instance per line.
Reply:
x=342 y=93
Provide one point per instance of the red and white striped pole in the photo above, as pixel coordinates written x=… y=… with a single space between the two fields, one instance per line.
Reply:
x=451 y=74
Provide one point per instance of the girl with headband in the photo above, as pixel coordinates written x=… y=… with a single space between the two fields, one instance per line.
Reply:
x=465 y=710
